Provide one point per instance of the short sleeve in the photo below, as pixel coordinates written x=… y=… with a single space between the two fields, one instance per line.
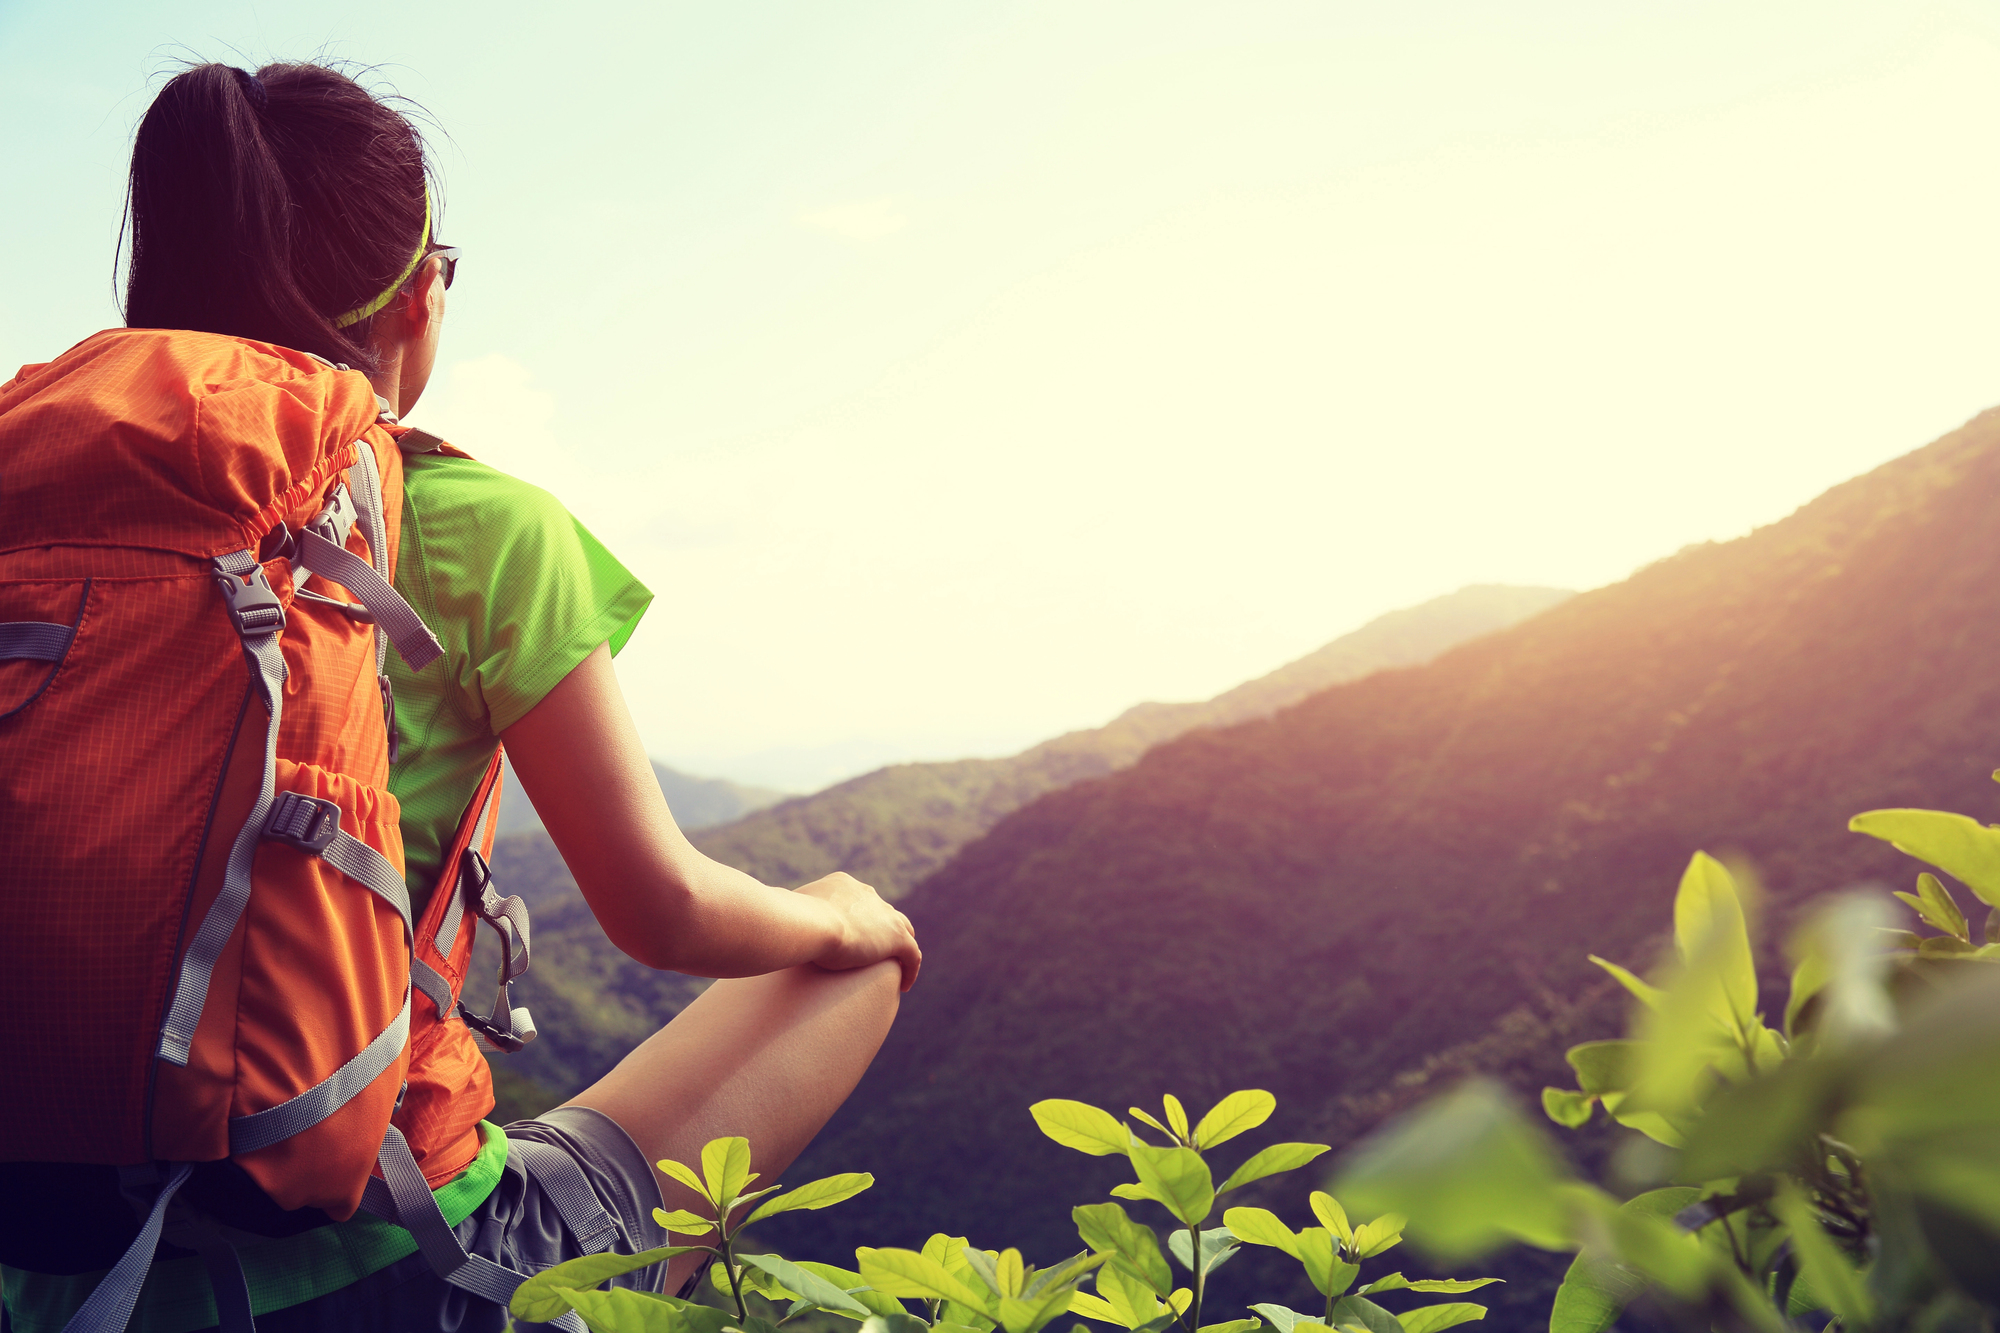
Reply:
x=528 y=587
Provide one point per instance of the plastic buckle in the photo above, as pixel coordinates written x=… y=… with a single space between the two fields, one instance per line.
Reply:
x=304 y=822
x=389 y=714
x=336 y=520
x=519 y=1033
x=254 y=607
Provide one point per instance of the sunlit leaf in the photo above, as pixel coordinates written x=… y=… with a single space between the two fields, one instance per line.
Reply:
x=687 y=1177
x=1107 y=1229
x=1709 y=925
x=1278 y=1317
x=1936 y=906
x=1568 y=1108
x=1140 y=1192
x=1644 y=992
x=1131 y=1300
x=1381 y=1234
x=822 y=1193
x=1233 y=1115
x=622 y=1310
x=1331 y=1215
x=1178 y=1177
x=1431 y=1318
x=1451 y=1283
x=1095 y=1307
x=1393 y=1282
x=1082 y=1127
x=1469 y=1172
x=1177 y=1117
x=1230 y=1326
x=1963 y=848
x=804 y=1284
x=856 y=1286
x=1145 y=1118
x=1328 y=1273
x=536 y=1299
x=1259 y=1226
x=1604 y=1066
x=1270 y=1161
x=908 y=1274
x=725 y=1167
x=683 y=1221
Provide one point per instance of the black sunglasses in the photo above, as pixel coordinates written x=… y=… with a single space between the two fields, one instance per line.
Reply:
x=449 y=254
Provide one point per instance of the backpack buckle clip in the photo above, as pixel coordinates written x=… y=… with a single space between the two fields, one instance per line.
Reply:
x=254 y=607
x=304 y=822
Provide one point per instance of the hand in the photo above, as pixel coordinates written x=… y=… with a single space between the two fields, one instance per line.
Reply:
x=871 y=930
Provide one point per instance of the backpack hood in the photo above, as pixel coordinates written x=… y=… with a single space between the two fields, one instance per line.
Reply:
x=134 y=437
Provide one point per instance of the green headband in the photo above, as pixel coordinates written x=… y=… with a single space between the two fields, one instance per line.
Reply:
x=359 y=313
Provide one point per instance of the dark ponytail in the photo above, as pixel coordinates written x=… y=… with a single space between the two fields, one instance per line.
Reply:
x=268 y=205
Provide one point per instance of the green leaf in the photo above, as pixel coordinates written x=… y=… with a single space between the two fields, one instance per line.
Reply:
x=1936 y=906
x=1146 y=1119
x=1469 y=1172
x=1131 y=1300
x=1451 y=1283
x=1431 y=1318
x=856 y=1286
x=1278 y=1317
x=725 y=1168
x=1330 y=1276
x=1834 y=1280
x=1963 y=848
x=1644 y=992
x=1230 y=1326
x=1176 y=1176
x=1569 y=1109
x=683 y=1221
x=622 y=1310
x=1259 y=1226
x=1140 y=1193
x=908 y=1274
x=1082 y=1127
x=1107 y=1229
x=1605 y=1066
x=536 y=1298
x=1360 y=1310
x=1270 y=1161
x=1384 y=1233
x=1331 y=1215
x=822 y=1193
x=1177 y=1117
x=806 y=1285
x=1233 y=1115
x=1217 y=1246
x=1709 y=923
x=894 y=1323
x=1095 y=1307
x=686 y=1177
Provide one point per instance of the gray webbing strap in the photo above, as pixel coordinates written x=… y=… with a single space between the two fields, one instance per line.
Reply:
x=363 y=864
x=248 y=1133
x=267 y=667
x=416 y=1210
x=454 y=912
x=34 y=640
x=109 y=1308
x=393 y=616
x=569 y=1189
x=432 y=983
x=225 y=1279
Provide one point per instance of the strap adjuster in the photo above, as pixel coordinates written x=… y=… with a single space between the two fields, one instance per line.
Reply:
x=254 y=607
x=304 y=822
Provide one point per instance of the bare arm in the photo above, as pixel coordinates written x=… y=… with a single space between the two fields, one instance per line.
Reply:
x=657 y=897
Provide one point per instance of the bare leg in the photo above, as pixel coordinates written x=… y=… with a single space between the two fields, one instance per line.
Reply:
x=770 y=1058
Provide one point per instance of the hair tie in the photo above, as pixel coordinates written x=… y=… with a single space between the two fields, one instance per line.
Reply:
x=253 y=88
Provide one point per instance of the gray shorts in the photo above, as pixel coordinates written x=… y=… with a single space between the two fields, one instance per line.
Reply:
x=575 y=1184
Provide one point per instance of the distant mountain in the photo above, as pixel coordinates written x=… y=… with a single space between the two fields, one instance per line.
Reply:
x=1354 y=900
x=592 y=1003
x=696 y=802
x=892 y=827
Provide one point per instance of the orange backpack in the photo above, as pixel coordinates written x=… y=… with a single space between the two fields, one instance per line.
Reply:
x=206 y=951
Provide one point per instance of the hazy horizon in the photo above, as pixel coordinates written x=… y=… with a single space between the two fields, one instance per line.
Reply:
x=960 y=377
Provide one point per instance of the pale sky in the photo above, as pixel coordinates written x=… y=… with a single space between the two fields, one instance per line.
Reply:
x=959 y=374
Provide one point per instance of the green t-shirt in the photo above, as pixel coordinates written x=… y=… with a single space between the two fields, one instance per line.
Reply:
x=519 y=593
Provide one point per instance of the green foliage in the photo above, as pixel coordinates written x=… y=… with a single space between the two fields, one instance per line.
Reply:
x=1843 y=1166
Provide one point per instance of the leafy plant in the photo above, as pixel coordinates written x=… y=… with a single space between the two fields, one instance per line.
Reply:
x=1844 y=1164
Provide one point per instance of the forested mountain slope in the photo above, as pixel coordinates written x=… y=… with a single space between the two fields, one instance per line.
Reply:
x=1400 y=877
x=892 y=827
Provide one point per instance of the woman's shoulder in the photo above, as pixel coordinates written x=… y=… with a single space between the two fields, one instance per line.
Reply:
x=474 y=500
